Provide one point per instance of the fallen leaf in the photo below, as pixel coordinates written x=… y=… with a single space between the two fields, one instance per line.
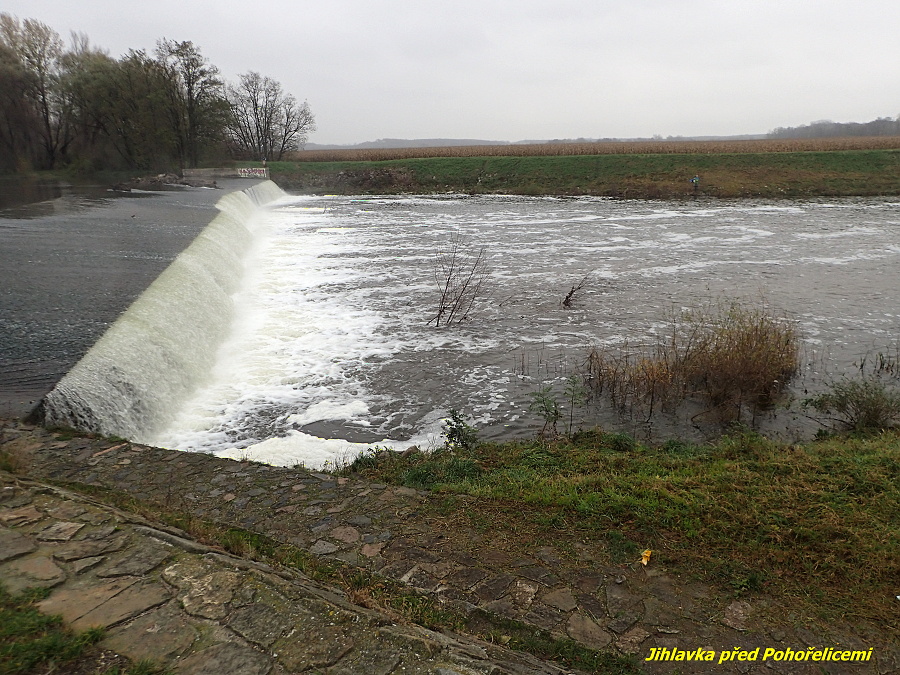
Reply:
x=645 y=556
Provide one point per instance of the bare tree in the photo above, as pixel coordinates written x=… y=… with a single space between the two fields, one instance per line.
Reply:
x=460 y=274
x=266 y=122
x=18 y=119
x=196 y=103
x=39 y=51
x=575 y=291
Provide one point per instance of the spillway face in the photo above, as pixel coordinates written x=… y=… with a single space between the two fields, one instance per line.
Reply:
x=134 y=379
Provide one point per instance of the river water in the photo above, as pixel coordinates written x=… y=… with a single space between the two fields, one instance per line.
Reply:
x=330 y=348
x=333 y=338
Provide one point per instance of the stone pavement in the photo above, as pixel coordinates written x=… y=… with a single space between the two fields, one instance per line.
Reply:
x=164 y=597
x=197 y=605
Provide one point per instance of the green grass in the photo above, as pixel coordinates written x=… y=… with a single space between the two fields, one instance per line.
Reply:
x=763 y=174
x=814 y=522
x=32 y=642
x=29 y=639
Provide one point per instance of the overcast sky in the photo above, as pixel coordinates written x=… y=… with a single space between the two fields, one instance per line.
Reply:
x=530 y=69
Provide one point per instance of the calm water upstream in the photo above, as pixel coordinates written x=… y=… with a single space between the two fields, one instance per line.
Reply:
x=330 y=348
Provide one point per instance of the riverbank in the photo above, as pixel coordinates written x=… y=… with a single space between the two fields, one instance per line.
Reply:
x=459 y=563
x=626 y=176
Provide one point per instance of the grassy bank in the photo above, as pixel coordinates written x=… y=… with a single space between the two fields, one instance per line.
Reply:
x=623 y=175
x=815 y=523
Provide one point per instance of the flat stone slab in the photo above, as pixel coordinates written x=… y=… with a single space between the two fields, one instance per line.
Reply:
x=736 y=615
x=204 y=589
x=60 y=531
x=139 y=560
x=89 y=549
x=31 y=572
x=586 y=631
x=562 y=599
x=125 y=605
x=226 y=659
x=13 y=544
x=259 y=623
x=74 y=602
x=20 y=516
x=162 y=634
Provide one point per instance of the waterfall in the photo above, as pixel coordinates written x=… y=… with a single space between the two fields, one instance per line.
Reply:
x=137 y=375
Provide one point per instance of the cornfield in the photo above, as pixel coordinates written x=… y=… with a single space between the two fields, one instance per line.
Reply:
x=603 y=148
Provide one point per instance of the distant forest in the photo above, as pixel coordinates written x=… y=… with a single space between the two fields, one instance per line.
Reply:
x=77 y=107
x=883 y=126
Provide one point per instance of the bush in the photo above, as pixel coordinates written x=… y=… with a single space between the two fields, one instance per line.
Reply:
x=863 y=404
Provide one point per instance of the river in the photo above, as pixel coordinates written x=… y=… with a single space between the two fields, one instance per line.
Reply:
x=330 y=347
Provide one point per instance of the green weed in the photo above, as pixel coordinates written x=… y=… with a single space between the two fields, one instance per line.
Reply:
x=545 y=404
x=864 y=404
x=459 y=435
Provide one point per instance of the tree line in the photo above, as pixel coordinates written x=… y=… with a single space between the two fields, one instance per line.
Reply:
x=882 y=126
x=76 y=106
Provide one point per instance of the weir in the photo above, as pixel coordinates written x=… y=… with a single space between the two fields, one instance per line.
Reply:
x=139 y=373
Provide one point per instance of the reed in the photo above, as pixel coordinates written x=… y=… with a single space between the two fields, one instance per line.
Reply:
x=730 y=357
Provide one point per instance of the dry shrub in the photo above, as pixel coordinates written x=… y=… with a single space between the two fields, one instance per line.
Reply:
x=601 y=148
x=461 y=275
x=728 y=357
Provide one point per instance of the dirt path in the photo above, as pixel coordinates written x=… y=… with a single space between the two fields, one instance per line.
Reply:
x=392 y=531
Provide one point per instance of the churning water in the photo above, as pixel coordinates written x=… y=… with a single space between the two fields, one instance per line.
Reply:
x=300 y=331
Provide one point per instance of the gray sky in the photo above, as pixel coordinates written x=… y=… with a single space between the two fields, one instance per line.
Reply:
x=530 y=69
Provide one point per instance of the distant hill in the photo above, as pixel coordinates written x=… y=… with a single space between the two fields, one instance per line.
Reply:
x=882 y=126
x=449 y=142
x=406 y=143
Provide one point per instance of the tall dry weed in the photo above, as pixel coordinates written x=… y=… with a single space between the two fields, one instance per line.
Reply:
x=729 y=357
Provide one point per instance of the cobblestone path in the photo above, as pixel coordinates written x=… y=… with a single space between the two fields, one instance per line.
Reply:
x=188 y=600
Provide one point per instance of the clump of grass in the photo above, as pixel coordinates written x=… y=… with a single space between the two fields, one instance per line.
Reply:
x=863 y=404
x=11 y=462
x=29 y=639
x=729 y=357
x=424 y=610
x=883 y=363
